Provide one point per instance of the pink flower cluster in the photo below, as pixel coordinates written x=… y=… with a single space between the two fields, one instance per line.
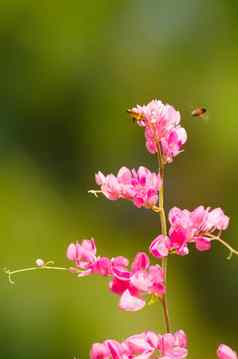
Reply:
x=132 y=285
x=143 y=346
x=198 y=226
x=149 y=344
x=162 y=128
x=141 y=186
x=85 y=259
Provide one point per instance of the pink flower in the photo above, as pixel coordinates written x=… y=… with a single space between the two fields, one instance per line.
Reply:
x=102 y=266
x=115 y=349
x=141 y=186
x=109 y=349
x=84 y=257
x=173 y=346
x=162 y=128
x=143 y=346
x=99 y=351
x=132 y=285
x=199 y=226
x=160 y=246
x=130 y=303
x=203 y=244
x=225 y=352
x=218 y=220
x=82 y=254
x=173 y=142
x=178 y=240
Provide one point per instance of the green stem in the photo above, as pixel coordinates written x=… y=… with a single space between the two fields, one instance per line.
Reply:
x=164 y=232
x=231 y=249
x=11 y=273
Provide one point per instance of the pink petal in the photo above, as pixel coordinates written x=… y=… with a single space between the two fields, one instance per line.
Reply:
x=102 y=266
x=137 y=344
x=223 y=223
x=121 y=273
x=179 y=237
x=140 y=262
x=118 y=286
x=159 y=247
x=71 y=252
x=130 y=303
x=120 y=261
x=99 y=351
x=124 y=175
x=138 y=201
x=203 y=244
x=99 y=178
x=174 y=215
x=141 y=281
x=89 y=245
x=114 y=348
x=152 y=339
x=225 y=352
x=181 y=338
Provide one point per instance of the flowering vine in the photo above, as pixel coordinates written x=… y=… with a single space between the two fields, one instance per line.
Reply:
x=141 y=282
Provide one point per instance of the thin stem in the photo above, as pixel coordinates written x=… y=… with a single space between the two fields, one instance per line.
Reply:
x=231 y=249
x=12 y=273
x=225 y=244
x=164 y=232
x=94 y=192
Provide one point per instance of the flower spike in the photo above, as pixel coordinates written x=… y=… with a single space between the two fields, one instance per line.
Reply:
x=162 y=128
x=138 y=186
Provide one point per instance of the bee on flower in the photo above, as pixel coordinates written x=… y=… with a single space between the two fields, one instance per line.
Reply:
x=163 y=131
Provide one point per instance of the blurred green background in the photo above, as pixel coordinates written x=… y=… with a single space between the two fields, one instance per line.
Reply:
x=68 y=72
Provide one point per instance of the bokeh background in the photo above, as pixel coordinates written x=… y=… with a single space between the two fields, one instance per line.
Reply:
x=68 y=72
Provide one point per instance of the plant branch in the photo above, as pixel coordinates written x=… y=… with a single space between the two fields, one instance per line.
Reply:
x=10 y=274
x=225 y=244
x=164 y=232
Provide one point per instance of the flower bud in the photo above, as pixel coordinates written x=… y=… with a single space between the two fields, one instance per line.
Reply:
x=40 y=262
x=225 y=352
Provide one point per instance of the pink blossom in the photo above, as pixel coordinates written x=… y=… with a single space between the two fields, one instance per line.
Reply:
x=141 y=186
x=162 y=128
x=196 y=226
x=132 y=285
x=225 y=352
x=160 y=246
x=143 y=346
x=173 y=346
x=102 y=266
x=200 y=226
x=218 y=220
x=203 y=244
x=130 y=303
x=173 y=142
x=115 y=349
x=178 y=240
x=85 y=259
x=99 y=351
x=108 y=349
